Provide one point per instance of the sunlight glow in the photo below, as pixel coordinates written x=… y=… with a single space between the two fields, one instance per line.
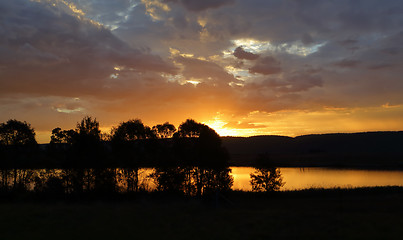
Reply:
x=202 y=22
x=74 y=8
x=114 y=75
x=153 y=7
x=77 y=12
x=297 y=48
x=218 y=126
x=65 y=110
x=240 y=74
x=194 y=82
x=173 y=78
x=256 y=46
x=251 y=45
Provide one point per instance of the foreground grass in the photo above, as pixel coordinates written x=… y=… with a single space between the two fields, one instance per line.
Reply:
x=368 y=213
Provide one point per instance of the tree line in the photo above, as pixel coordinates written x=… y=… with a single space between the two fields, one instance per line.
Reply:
x=189 y=181
x=188 y=160
x=129 y=144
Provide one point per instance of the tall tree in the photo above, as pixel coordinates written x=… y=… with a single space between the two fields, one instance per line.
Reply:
x=87 y=145
x=89 y=127
x=127 y=142
x=198 y=144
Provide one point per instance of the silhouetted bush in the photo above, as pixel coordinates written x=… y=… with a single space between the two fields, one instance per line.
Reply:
x=266 y=179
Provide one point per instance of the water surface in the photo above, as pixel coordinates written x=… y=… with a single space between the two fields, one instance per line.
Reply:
x=190 y=181
x=303 y=178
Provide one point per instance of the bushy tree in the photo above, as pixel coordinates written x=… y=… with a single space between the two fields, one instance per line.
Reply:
x=169 y=179
x=15 y=132
x=189 y=129
x=130 y=131
x=266 y=179
x=198 y=144
x=89 y=128
x=128 y=142
x=165 y=130
x=63 y=136
x=18 y=147
x=86 y=145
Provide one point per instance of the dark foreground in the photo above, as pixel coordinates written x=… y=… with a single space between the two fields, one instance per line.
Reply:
x=366 y=213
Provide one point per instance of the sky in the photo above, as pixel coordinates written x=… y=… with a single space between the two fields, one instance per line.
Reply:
x=243 y=67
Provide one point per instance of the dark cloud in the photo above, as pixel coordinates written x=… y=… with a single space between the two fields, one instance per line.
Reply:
x=348 y=42
x=307 y=39
x=197 y=6
x=390 y=50
x=46 y=50
x=347 y=63
x=242 y=54
x=266 y=66
x=380 y=66
x=301 y=82
x=204 y=70
x=297 y=82
x=287 y=21
x=110 y=13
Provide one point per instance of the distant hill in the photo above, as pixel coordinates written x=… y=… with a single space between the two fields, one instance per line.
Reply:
x=367 y=150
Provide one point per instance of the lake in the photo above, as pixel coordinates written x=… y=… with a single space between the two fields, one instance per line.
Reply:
x=303 y=178
x=192 y=180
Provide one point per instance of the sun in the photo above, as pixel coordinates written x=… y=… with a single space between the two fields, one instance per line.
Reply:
x=219 y=126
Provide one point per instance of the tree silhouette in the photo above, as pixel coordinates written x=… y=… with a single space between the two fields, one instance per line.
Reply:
x=63 y=136
x=130 y=131
x=189 y=129
x=165 y=130
x=128 y=142
x=129 y=179
x=87 y=146
x=192 y=181
x=266 y=179
x=18 y=146
x=199 y=145
x=217 y=179
x=209 y=180
x=89 y=128
x=15 y=132
x=170 y=180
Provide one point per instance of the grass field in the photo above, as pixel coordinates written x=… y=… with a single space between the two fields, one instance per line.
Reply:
x=368 y=213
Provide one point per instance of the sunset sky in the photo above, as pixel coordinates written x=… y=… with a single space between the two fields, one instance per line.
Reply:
x=243 y=67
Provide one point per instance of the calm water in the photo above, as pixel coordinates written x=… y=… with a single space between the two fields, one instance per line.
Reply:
x=302 y=178
x=187 y=180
